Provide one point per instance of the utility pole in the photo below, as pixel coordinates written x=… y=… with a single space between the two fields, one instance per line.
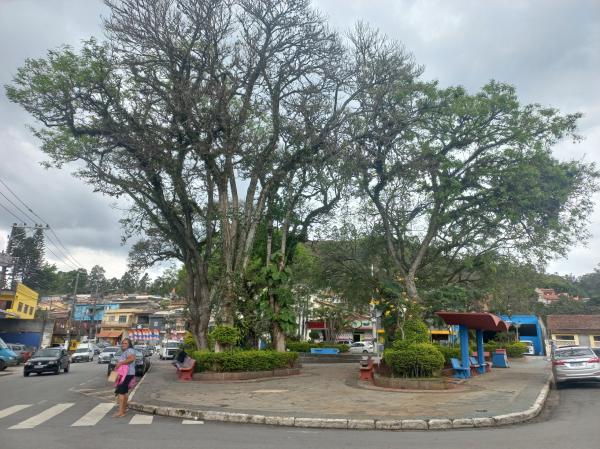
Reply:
x=93 y=317
x=72 y=311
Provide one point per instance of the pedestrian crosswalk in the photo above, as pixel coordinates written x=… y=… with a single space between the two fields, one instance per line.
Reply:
x=87 y=418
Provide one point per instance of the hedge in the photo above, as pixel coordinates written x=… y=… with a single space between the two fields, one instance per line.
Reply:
x=449 y=352
x=415 y=360
x=304 y=346
x=232 y=361
x=514 y=349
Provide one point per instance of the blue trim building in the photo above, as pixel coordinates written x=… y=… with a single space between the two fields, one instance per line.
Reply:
x=530 y=329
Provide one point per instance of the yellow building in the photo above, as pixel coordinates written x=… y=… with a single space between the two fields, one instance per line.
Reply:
x=116 y=323
x=21 y=303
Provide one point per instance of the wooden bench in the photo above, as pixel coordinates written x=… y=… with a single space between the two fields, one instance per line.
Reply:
x=460 y=372
x=185 y=370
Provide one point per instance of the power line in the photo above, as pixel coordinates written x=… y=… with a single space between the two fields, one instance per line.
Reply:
x=66 y=252
x=17 y=207
x=9 y=211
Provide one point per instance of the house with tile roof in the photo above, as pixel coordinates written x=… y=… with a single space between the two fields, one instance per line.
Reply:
x=568 y=330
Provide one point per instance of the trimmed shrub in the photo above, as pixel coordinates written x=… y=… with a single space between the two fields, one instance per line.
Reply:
x=233 y=361
x=226 y=335
x=416 y=331
x=449 y=352
x=189 y=343
x=514 y=349
x=415 y=360
x=304 y=346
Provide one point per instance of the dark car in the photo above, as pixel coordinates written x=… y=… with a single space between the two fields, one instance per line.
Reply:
x=142 y=362
x=47 y=360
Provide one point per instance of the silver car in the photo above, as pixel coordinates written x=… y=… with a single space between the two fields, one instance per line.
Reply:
x=575 y=363
x=107 y=354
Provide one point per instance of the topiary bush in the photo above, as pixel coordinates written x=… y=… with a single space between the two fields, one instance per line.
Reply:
x=416 y=331
x=189 y=343
x=227 y=336
x=415 y=360
x=234 y=361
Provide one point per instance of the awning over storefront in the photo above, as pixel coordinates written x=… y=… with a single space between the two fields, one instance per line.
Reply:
x=474 y=320
x=315 y=324
x=110 y=334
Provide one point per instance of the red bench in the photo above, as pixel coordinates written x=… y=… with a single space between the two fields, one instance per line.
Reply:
x=366 y=369
x=185 y=370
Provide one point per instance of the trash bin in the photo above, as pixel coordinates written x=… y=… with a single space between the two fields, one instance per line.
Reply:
x=499 y=359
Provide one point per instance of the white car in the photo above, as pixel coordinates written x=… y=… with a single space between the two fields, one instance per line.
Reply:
x=361 y=347
x=83 y=354
x=530 y=348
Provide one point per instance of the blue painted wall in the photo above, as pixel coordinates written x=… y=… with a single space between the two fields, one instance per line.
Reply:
x=538 y=339
x=82 y=311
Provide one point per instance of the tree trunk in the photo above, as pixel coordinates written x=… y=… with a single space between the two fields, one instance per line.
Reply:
x=277 y=334
x=198 y=302
x=411 y=287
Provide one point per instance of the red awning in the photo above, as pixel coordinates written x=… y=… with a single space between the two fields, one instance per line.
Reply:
x=110 y=334
x=315 y=324
x=474 y=320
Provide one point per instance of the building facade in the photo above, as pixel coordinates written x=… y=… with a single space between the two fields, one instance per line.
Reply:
x=20 y=303
x=582 y=330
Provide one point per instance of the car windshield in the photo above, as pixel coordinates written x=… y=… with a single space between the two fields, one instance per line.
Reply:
x=110 y=349
x=47 y=353
x=573 y=352
x=82 y=350
x=172 y=345
x=3 y=345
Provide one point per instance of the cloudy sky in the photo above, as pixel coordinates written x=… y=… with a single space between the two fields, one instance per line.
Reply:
x=548 y=49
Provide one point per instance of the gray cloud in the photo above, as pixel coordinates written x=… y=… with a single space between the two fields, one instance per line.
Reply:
x=549 y=49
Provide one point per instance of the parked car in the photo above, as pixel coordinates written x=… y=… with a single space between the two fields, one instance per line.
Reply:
x=169 y=350
x=575 y=363
x=47 y=360
x=8 y=357
x=144 y=349
x=361 y=347
x=20 y=351
x=83 y=354
x=142 y=362
x=107 y=354
x=530 y=348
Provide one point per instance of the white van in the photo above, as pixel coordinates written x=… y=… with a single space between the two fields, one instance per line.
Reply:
x=169 y=349
x=83 y=353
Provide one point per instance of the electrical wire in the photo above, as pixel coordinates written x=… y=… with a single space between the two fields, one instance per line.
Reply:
x=66 y=252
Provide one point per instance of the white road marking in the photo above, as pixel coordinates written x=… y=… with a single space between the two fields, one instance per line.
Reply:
x=141 y=419
x=92 y=417
x=42 y=417
x=191 y=421
x=14 y=409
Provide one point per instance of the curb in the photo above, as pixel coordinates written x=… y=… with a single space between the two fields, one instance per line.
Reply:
x=353 y=424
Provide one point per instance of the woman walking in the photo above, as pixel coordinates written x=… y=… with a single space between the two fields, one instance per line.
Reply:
x=127 y=358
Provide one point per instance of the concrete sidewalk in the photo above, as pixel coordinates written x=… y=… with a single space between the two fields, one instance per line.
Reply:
x=330 y=395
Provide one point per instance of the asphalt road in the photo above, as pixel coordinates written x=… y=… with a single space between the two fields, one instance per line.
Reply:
x=51 y=412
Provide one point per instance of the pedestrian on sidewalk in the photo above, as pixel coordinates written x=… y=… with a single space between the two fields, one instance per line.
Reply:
x=127 y=358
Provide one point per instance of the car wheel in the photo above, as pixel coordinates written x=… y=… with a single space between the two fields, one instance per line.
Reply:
x=66 y=370
x=2 y=365
x=57 y=371
x=25 y=374
x=365 y=352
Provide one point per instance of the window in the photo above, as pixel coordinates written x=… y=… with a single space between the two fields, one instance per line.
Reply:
x=25 y=308
x=20 y=308
x=8 y=305
x=565 y=339
x=31 y=311
x=111 y=318
x=595 y=341
x=122 y=318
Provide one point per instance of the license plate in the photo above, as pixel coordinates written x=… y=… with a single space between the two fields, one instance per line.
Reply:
x=576 y=364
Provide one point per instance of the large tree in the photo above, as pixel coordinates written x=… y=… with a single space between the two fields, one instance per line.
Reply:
x=181 y=110
x=458 y=175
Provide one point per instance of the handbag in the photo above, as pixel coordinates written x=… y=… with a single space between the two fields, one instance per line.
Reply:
x=112 y=377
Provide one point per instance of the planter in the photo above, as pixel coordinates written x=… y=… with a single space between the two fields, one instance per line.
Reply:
x=246 y=375
x=401 y=383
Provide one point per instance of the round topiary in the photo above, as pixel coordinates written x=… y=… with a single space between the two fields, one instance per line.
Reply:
x=225 y=335
x=415 y=360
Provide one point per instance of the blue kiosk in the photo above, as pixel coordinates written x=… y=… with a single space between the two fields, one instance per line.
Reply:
x=480 y=322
